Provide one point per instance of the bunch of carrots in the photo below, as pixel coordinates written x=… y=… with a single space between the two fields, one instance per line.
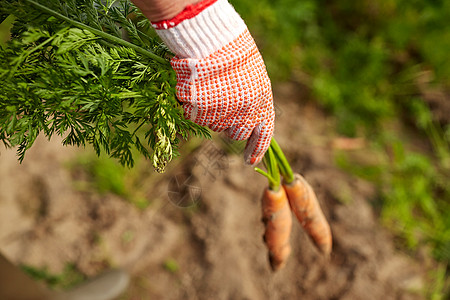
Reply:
x=291 y=193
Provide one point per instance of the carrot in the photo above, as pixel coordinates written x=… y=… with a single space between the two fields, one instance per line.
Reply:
x=304 y=204
x=276 y=212
x=277 y=219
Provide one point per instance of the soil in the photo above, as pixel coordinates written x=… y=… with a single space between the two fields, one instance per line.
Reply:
x=201 y=235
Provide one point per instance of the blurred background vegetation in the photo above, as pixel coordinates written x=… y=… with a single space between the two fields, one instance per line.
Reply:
x=382 y=69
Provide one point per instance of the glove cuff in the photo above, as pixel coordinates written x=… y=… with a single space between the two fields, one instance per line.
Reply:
x=201 y=29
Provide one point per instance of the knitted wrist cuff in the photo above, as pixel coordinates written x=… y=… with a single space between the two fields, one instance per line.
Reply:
x=201 y=29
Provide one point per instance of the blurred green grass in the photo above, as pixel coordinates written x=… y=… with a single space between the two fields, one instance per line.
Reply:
x=69 y=277
x=102 y=175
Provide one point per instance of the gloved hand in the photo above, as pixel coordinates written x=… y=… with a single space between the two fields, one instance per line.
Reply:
x=221 y=77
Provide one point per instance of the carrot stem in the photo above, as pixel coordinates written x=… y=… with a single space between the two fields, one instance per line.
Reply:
x=273 y=168
x=273 y=173
x=272 y=182
x=275 y=162
x=283 y=164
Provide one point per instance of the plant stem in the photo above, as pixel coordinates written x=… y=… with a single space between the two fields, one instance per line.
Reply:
x=272 y=183
x=283 y=164
x=273 y=174
x=25 y=54
x=275 y=162
x=100 y=33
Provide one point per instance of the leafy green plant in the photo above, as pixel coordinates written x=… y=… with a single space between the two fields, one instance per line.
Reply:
x=83 y=70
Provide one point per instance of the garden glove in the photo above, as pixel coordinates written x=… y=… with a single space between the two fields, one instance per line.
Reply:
x=221 y=77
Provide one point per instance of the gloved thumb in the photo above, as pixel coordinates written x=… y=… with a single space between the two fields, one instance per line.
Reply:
x=258 y=143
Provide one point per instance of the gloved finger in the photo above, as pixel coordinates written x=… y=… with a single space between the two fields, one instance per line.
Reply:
x=190 y=111
x=239 y=133
x=258 y=143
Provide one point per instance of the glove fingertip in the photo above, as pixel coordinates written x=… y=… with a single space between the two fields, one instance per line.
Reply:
x=257 y=144
x=254 y=161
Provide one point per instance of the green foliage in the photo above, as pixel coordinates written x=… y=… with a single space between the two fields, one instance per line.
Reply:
x=440 y=284
x=414 y=202
x=102 y=175
x=69 y=70
x=414 y=194
x=280 y=28
x=171 y=265
x=69 y=277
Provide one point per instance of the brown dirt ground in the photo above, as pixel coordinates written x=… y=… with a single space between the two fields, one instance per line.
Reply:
x=46 y=221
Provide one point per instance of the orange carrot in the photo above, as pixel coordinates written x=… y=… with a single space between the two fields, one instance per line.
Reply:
x=306 y=208
x=277 y=218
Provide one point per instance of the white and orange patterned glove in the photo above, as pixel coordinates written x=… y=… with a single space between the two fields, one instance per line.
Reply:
x=221 y=77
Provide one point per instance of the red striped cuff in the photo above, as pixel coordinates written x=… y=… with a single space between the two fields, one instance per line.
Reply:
x=188 y=12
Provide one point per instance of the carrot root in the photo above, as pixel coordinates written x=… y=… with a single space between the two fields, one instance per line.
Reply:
x=304 y=204
x=277 y=218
